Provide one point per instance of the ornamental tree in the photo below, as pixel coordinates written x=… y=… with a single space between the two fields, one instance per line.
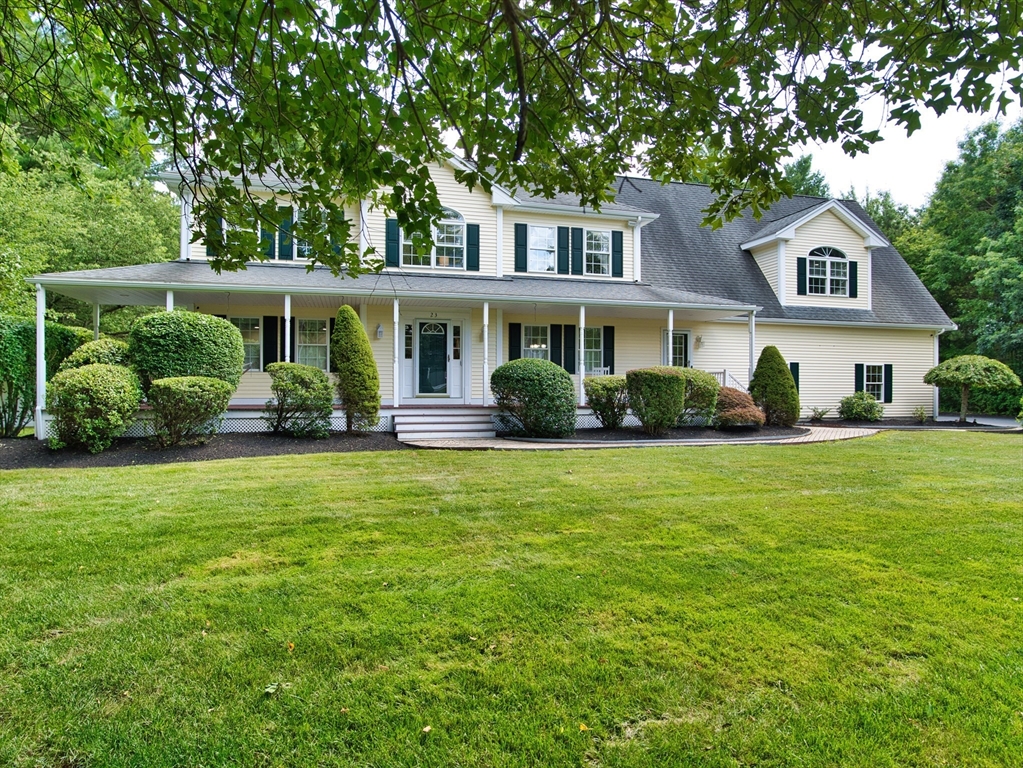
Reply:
x=347 y=101
x=971 y=371
x=358 y=382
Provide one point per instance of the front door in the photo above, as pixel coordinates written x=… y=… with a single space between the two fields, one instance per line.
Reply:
x=432 y=378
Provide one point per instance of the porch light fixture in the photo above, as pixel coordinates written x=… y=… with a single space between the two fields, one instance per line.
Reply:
x=380 y=331
x=698 y=342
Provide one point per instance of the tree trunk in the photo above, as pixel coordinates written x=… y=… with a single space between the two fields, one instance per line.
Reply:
x=965 y=400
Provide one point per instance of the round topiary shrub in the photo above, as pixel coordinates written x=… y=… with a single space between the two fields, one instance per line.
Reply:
x=92 y=405
x=303 y=400
x=187 y=407
x=861 y=406
x=358 y=382
x=736 y=409
x=537 y=395
x=774 y=390
x=609 y=399
x=968 y=372
x=104 y=351
x=657 y=396
x=701 y=396
x=173 y=344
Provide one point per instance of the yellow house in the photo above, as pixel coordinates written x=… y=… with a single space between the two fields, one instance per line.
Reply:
x=638 y=283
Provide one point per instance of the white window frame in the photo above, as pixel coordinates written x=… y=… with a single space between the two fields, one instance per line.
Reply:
x=298 y=343
x=539 y=353
x=553 y=250
x=587 y=252
x=880 y=382
x=259 y=328
x=666 y=351
x=823 y=254
x=598 y=332
x=451 y=218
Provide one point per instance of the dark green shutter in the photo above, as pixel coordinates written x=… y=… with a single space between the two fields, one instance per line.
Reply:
x=472 y=247
x=556 y=331
x=859 y=377
x=801 y=276
x=888 y=383
x=854 y=288
x=280 y=339
x=294 y=348
x=330 y=344
x=617 y=258
x=269 y=340
x=794 y=370
x=285 y=243
x=266 y=237
x=514 y=341
x=569 y=349
x=521 y=263
x=609 y=348
x=563 y=236
x=391 y=244
x=577 y=250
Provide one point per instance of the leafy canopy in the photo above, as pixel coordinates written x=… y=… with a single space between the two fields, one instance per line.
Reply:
x=972 y=371
x=346 y=99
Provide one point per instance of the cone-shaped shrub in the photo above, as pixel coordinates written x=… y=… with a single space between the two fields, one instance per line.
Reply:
x=358 y=383
x=774 y=390
x=92 y=405
x=657 y=396
x=737 y=409
x=537 y=395
x=609 y=399
x=105 y=351
x=971 y=371
x=173 y=344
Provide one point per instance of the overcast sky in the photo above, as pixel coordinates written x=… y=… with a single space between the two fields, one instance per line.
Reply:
x=907 y=167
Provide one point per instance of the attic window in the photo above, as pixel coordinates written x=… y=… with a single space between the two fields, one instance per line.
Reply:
x=828 y=272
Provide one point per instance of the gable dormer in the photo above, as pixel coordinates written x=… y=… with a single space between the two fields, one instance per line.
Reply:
x=818 y=257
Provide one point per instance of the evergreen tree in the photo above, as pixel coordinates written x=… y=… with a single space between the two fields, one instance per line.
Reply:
x=774 y=390
x=358 y=383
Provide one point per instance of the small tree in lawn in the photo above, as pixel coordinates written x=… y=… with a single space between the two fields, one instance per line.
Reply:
x=358 y=383
x=971 y=372
x=774 y=390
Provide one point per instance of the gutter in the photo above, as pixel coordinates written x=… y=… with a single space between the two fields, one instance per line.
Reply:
x=856 y=324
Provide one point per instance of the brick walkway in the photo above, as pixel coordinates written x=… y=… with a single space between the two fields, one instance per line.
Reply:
x=815 y=435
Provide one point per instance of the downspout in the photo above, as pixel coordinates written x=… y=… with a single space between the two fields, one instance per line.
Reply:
x=935 y=406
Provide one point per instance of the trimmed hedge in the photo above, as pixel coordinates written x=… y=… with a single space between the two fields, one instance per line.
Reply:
x=179 y=343
x=774 y=390
x=657 y=396
x=187 y=407
x=608 y=396
x=358 y=383
x=701 y=396
x=538 y=395
x=92 y=405
x=105 y=351
x=861 y=406
x=303 y=400
x=735 y=408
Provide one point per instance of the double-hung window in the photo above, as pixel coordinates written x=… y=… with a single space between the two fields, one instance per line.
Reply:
x=535 y=342
x=676 y=350
x=593 y=348
x=447 y=251
x=827 y=272
x=249 y=329
x=597 y=254
x=312 y=343
x=543 y=243
x=873 y=381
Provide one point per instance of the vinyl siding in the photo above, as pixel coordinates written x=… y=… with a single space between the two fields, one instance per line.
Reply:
x=827 y=229
x=513 y=217
x=766 y=257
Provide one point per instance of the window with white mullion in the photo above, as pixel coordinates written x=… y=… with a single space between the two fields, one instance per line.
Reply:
x=312 y=345
x=249 y=329
x=447 y=251
x=535 y=342
x=597 y=256
x=873 y=381
x=543 y=249
x=676 y=353
x=593 y=348
x=827 y=272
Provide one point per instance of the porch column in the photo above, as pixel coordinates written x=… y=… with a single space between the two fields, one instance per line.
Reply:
x=752 y=345
x=170 y=301
x=486 y=353
x=397 y=356
x=670 y=354
x=40 y=427
x=95 y=320
x=287 y=327
x=582 y=354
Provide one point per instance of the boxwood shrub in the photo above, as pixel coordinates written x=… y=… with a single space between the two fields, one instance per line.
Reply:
x=92 y=405
x=303 y=400
x=861 y=406
x=657 y=396
x=187 y=407
x=608 y=396
x=701 y=397
x=175 y=344
x=737 y=409
x=106 y=351
x=537 y=395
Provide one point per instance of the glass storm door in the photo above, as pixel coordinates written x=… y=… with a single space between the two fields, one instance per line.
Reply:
x=433 y=358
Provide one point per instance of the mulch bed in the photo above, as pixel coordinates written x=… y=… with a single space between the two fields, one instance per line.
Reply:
x=635 y=434
x=29 y=453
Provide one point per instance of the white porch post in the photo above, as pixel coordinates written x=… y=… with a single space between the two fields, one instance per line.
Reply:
x=287 y=327
x=397 y=356
x=170 y=301
x=582 y=354
x=752 y=345
x=486 y=353
x=40 y=427
x=95 y=320
x=671 y=338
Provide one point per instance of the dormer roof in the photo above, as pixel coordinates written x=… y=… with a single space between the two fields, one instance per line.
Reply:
x=785 y=227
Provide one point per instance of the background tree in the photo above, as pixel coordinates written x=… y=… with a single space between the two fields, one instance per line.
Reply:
x=971 y=372
x=805 y=180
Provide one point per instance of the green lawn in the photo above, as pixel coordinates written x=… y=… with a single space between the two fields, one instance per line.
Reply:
x=848 y=604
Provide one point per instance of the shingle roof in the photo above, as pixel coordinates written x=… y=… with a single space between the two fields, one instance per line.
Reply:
x=680 y=253
x=563 y=200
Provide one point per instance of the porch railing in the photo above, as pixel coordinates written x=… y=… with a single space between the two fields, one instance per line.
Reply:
x=726 y=379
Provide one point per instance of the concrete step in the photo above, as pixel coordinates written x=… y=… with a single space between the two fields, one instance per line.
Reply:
x=447 y=426
x=444 y=435
x=483 y=418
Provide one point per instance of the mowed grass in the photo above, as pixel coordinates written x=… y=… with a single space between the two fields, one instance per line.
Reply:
x=848 y=604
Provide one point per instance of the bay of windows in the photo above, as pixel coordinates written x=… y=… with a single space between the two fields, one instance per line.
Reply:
x=447 y=250
x=312 y=343
x=827 y=272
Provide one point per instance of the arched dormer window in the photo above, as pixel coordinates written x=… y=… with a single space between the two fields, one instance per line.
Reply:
x=827 y=272
x=448 y=249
